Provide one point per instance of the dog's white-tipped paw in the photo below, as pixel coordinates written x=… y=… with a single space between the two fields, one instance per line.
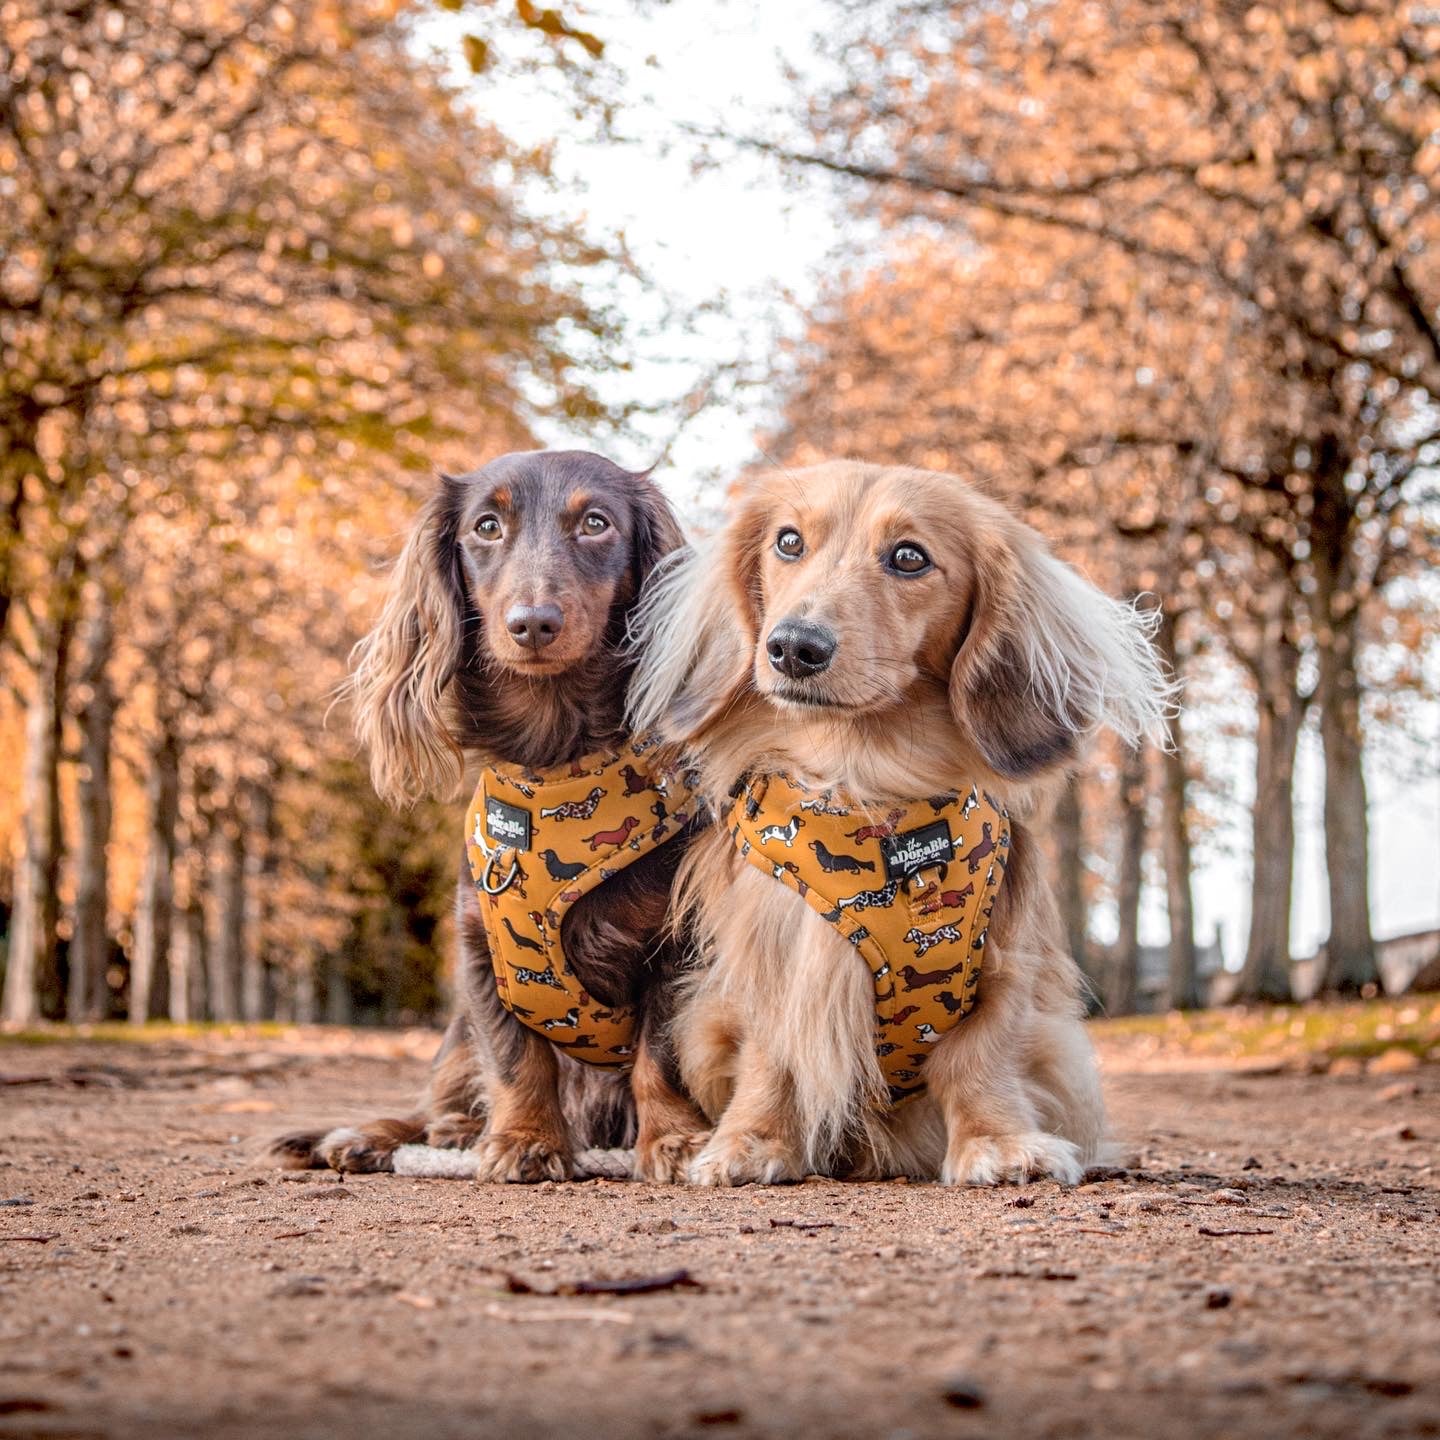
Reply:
x=668 y=1159
x=1013 y=1160
x=744 y=1160
x=521 y=1158
x=352 y=1151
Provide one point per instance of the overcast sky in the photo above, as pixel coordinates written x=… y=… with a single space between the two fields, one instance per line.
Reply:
x=733 y=253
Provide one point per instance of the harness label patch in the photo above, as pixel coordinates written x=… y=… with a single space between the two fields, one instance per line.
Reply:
x=507 y=824
x=912 y=851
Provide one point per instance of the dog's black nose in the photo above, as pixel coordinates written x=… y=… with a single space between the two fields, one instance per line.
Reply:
x=798 y=648
x=534 y=625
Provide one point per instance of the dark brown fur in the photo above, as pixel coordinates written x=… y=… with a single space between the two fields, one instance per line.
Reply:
x=441 y=676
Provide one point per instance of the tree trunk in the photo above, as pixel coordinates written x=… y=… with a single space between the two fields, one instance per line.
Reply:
x=1350 y=963
x=1182 y=991
x=1069 y=833
x=31 y=977
x=1125 y=964
x=150 y=966
x=1280 y=715
x=187 y=964
x=257 y=989
x=19 y=457
x=339 y=1003
x=228 y=943
x=90 y=943
x=305 y=1008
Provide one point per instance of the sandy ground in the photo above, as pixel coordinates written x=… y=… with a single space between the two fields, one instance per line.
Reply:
x=1267 y=1267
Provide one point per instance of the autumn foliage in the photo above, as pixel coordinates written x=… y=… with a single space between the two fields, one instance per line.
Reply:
x=263 y=273
x=1166 y=276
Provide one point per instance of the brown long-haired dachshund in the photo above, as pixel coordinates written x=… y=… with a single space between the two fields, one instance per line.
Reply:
x=503 y=641
x=883 y=676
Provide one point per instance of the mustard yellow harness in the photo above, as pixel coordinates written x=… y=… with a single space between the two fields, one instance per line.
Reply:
x=537 y=840
x=909 y=883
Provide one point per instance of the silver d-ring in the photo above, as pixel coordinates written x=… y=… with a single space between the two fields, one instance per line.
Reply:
x=490 y=858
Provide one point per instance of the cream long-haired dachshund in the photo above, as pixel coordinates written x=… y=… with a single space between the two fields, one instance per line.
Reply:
x=884 y=677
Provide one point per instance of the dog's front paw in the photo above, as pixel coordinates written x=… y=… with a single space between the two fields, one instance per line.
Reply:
x=354 y=1152
x=745 y=1160
x=521 y=1158
x=667 y=1159
x=1012 y=1159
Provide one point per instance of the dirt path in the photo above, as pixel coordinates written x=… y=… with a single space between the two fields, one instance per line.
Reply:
x=1268 y=1268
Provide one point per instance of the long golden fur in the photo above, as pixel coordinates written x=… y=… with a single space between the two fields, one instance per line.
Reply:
x=990 y=666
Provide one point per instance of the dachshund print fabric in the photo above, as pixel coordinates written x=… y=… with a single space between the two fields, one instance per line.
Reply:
x=537 y=840
x=905 y=882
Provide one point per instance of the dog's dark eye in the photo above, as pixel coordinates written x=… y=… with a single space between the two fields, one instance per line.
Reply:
x=789 y=545
x=908 y=559
x=487 y=527
x=594 y=523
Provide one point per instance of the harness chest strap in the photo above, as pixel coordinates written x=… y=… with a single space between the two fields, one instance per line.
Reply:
x=537 y=841
x=909 y=883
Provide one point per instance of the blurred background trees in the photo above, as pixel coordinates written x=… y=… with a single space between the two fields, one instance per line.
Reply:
x=1163 y=275
x=263 y=274
x=1167 y=275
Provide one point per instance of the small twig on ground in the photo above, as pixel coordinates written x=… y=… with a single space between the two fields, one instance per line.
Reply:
x=640 y=1285
x=33 y=1239
x=804 y=1225
x=1028 y=1275
x=1216 y=1234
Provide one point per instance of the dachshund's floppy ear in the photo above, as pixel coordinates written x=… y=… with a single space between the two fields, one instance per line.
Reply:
x=1047 y=659
x=696 y=628
x=657 y=531
x=401 y=671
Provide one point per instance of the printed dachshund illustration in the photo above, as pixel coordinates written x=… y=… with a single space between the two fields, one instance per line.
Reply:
x=954 y=1004
x=945 y=900
x=901 y=1016
x=824 y=805
x=785 y=833
x=568 y=1021
x=971 y=801
x=546 y=977
x=613 y=837
x=559 y=869
x=882 y=831
x=923 y=941
x=928 y=1035
x=635 y=782
x=575 y=809
x=523 y=941
x=843 y=864
x=984 y=848
x=924 y=979
x=864 y=899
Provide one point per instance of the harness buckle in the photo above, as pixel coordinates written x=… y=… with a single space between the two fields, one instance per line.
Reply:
x=507 y=882
x=491 y=856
